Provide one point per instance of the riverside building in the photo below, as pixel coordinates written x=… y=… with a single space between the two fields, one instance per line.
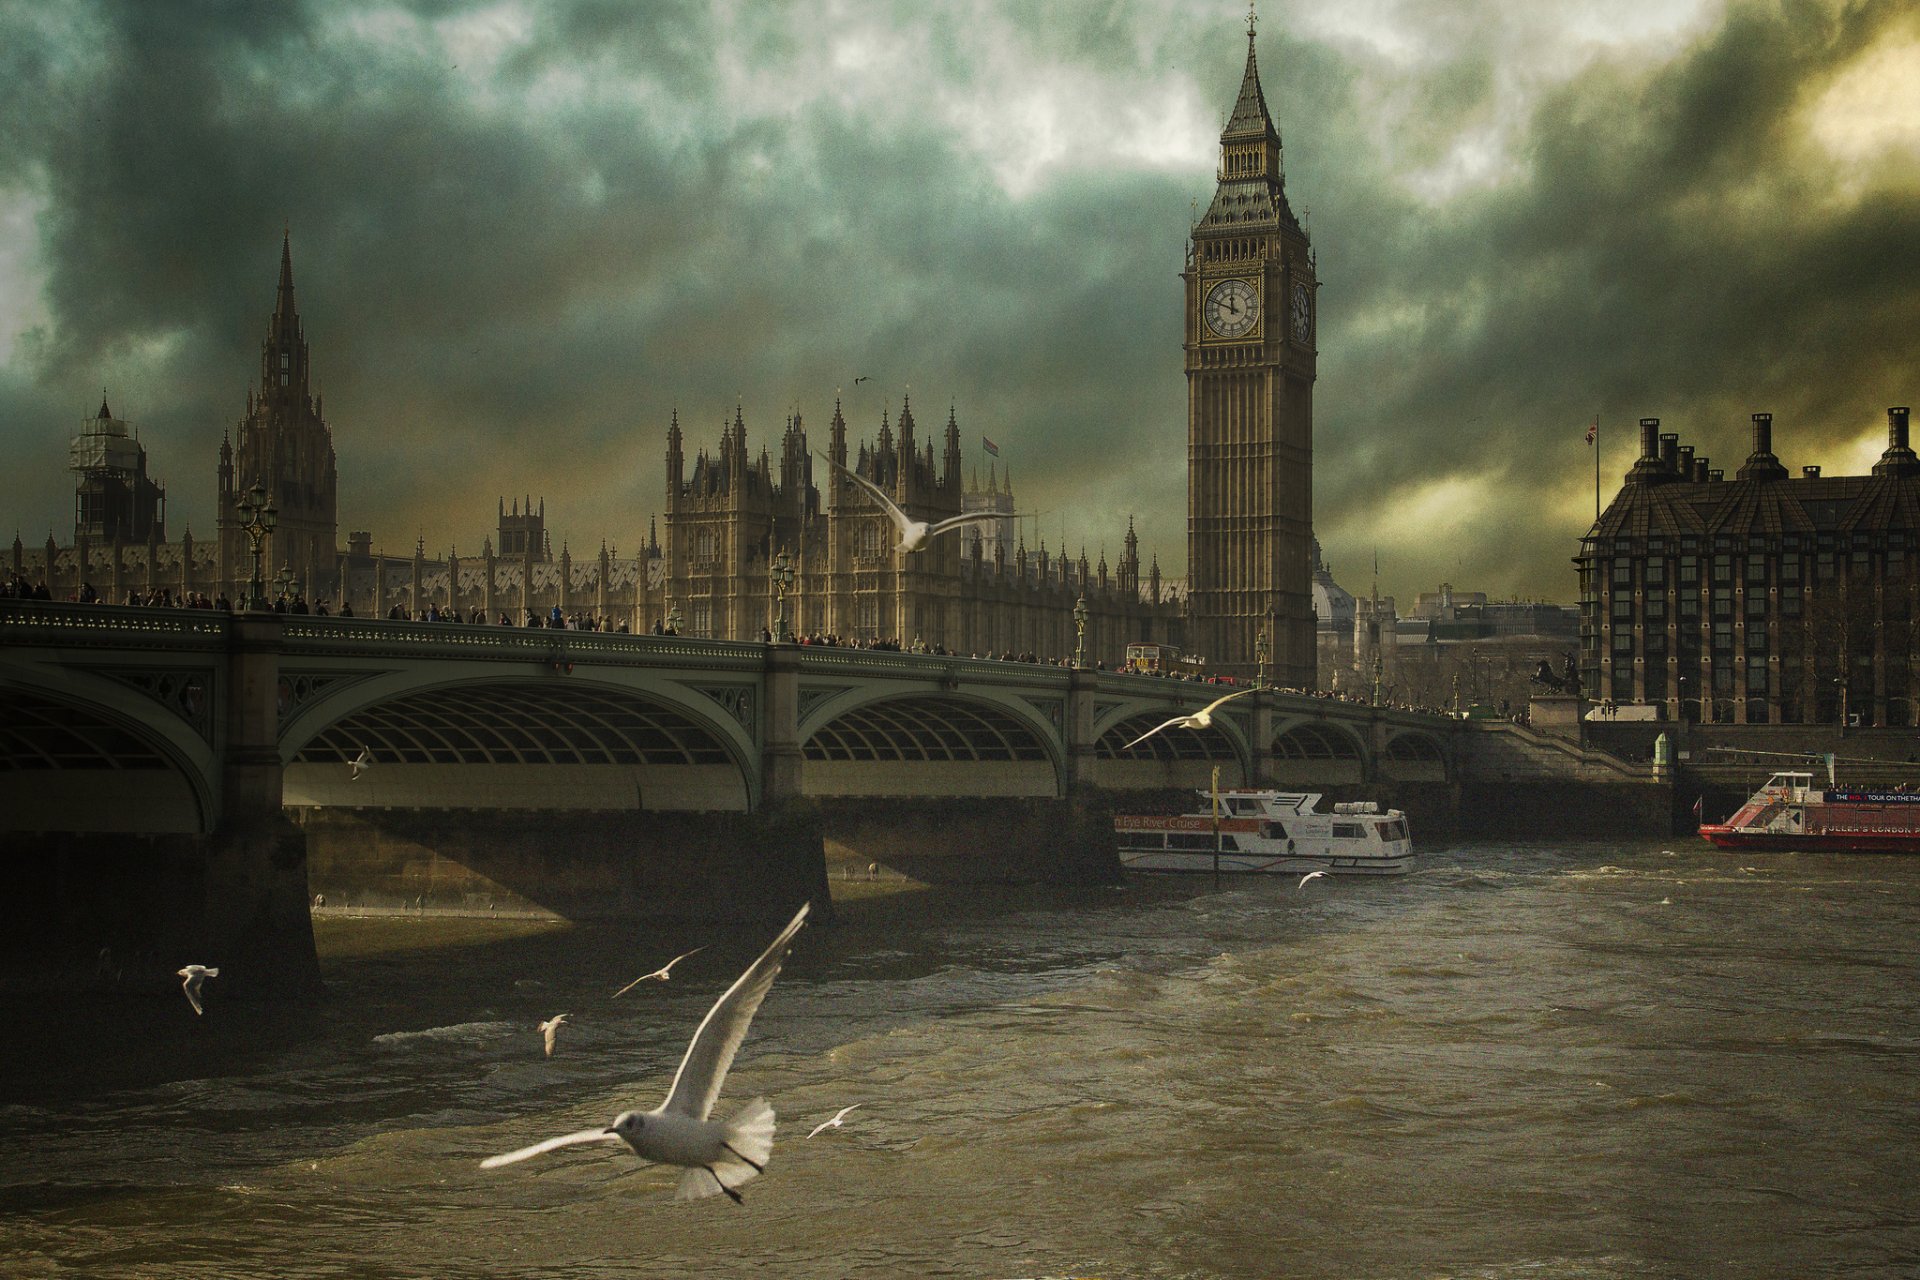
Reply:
x=1768 y=598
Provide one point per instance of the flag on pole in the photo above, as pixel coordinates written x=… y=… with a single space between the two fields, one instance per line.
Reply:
x=1593 y=429
x=993 y=450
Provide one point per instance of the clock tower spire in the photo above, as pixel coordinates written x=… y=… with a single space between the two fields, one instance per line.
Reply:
x=1250 y=361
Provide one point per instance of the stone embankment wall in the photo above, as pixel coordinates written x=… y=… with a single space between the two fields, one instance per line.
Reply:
x=1520 y=783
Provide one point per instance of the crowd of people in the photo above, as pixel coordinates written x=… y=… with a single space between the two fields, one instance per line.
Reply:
x=17 y=587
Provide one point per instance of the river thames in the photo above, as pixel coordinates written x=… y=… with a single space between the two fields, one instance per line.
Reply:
x=1544 y=1061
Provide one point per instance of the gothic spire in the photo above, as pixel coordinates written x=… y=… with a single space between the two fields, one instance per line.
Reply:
x=1250 y=117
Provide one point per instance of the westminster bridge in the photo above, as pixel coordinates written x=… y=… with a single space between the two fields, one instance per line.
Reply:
x=222 y=746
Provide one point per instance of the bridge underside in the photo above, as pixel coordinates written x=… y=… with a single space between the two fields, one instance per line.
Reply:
x=65 y=767
x=508 y=746
x=928 y=746
x=1180 y=758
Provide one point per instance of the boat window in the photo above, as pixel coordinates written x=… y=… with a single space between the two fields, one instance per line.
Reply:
x=1349 y=831
x=1273 y=831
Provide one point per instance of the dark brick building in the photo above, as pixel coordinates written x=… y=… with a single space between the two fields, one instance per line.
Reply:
x=1767 y=598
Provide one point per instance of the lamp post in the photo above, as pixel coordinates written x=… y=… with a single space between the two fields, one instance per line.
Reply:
x=1260 y=658
x=283 y=582
x=782 y=575
x=673 y=618
x=1080 y=632
x=258 y=515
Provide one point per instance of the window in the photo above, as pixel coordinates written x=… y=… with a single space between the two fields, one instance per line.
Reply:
x=1622 y=642
x=1723 y=636
x=1690 y=607
x=1689 y=570
x=1722 y=602
x=1622 y=609
x=1790 y=604
x=1756 y=605
x=1656 y=609
x=1756 y=679
x=1623 y=573
x=1756 y=639
x=1756 y=569
x=1790 y=567
x=1656 y=573
x=1723 y=568
x=703 y=616
x=1349 y=831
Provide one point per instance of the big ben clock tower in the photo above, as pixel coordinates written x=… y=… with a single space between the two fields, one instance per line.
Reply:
x=1250 y=331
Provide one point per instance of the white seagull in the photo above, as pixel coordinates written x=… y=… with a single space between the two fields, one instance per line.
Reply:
x=835 y=1122
x=361 y=763
x=718 y=1155
x=661 y=974
x=1200 y=719
x=913 y=533
x=551 y=1028
x=1311 y=875
x=195 y=974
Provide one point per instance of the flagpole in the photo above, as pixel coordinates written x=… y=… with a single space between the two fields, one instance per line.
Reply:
x=1596 y=469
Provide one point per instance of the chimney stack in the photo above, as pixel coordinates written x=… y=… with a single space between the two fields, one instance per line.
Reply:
x=1650 y=467
x=1761 y=464
x=1899 y=459
x=1700 y=472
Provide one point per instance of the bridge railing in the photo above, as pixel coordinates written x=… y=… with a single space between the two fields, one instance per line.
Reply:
x=110 y=626
x=482 y=640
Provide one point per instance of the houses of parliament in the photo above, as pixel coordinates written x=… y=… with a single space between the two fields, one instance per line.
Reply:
x=740 y=522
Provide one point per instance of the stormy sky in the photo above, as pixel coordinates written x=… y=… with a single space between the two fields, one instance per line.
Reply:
x=525 y=232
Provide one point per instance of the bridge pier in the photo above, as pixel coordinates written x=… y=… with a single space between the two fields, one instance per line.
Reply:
x=257 y=927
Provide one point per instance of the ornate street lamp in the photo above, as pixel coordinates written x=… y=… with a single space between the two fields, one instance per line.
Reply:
x=673 y=618
x=258 y=515
x=283 y=581
x=1260 y=658
x=782 y=575
x=1080 y=632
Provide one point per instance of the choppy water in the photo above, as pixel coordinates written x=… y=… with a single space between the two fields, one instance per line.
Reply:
x=1539 y=1062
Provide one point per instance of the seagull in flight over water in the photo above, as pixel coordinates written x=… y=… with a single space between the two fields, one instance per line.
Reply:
x=1201 y=719
x=195 y=974
x=1311 y=875
x=835 y=1122
x=717 y=1155
x=658 y=975
x=360 y=763
x=551 y=1028
x=913 y=533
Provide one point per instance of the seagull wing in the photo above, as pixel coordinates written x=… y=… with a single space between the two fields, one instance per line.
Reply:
x=971 y=517
x=551 y=1144
x=900 y=518
x=192 y=987
x=631 y=985
x=1211 y=707
x=1157 y=728
x=824 y=1124
x=702 y=1071
x=667 y=968
x=844 y=1110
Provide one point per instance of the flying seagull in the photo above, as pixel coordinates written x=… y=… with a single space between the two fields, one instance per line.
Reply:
x=195 y=974
x=551 y=1028
x=1201 y=719
x=717 y=1155
x=1311 y=875
x=862 y=378
x=658 y=975
x=835 y=1122
x=913 y=533
x=361 y=763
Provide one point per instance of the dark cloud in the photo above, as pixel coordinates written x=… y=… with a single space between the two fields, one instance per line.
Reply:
x=513 y=267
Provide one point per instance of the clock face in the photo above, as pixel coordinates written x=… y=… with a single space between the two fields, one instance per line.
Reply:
x=1231 y=308
x=1302 y=313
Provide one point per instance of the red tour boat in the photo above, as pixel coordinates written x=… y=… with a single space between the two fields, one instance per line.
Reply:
x=1790 y=813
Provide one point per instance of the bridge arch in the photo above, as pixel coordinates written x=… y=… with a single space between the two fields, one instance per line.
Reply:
x=67 y=737
x=499 y=741
x=1314 y=752
x=1412 y=755
x=1171 y=758
x=934 y=744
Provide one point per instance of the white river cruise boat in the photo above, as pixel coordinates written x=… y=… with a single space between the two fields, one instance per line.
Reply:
x=1268 y=833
